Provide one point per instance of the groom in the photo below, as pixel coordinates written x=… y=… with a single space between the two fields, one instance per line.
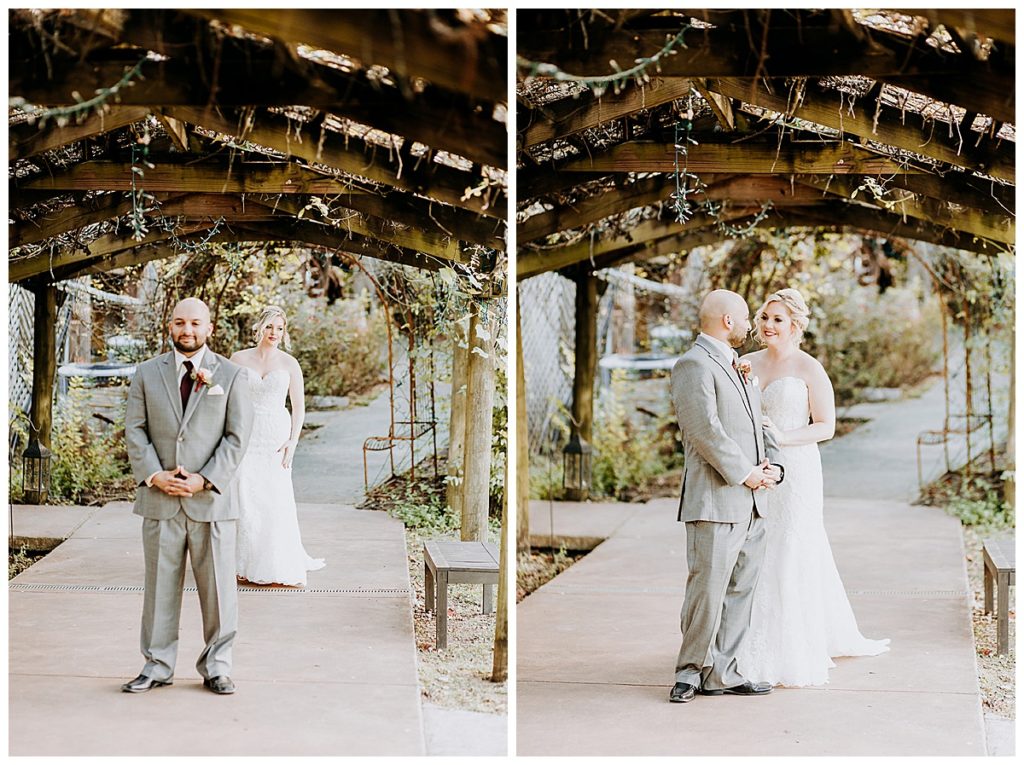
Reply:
x=187 y=425
x=730 y=461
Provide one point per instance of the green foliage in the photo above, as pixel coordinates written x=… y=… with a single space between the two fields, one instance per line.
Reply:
x=978 y=501
x=989 y=512
x=89 y=463
x=18 y=561
x=342 y=348
x=426 y=518
x=545 y=477
x=867 y=340
x=865 y=336
x=625 y=457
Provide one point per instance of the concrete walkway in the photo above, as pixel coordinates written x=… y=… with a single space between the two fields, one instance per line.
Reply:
x=328 y=464
x=329 y=670
x=596 y=645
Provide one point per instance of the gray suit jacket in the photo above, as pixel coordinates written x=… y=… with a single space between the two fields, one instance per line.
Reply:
x=209 y=437
x=723 y=439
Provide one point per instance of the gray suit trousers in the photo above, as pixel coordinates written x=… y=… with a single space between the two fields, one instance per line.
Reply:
x=211 y=546
x=724 y=561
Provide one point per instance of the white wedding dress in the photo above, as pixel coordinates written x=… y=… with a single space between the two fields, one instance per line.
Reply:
x=801 y=617
x=269 y=548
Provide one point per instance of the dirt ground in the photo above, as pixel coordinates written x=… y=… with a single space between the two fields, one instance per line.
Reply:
x=459 y=676
x=995 y=673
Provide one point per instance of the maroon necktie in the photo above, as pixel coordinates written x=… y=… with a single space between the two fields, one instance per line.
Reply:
x=186 y=385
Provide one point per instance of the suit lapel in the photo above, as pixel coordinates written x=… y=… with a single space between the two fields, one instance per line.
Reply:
x=169 y=373
x=212 y=364
x=732 y=374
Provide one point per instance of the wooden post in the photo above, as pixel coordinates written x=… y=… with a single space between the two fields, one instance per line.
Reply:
x=522 y=446
x=44 y=364
x=499 y=669
x=44 y=372
x=479 y=417
x=586 y=354
x=1010 y=486
x=457 y=423
x=586 y=364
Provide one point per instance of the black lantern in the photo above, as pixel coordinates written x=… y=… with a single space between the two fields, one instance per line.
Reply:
x=576 y=468
x=35 y=462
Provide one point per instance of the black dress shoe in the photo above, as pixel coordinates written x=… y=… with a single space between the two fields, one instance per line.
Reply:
x=143 y=683
x=747 y=689
x=682 y=692
x=221 y=684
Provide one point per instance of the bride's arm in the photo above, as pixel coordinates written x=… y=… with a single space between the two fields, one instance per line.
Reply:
x=297 y=395
x=823 y=411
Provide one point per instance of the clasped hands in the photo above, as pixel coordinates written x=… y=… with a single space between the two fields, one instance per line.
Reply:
x=179 y=482
x=764 y=476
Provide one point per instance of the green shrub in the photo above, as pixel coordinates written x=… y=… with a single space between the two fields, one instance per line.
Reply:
x=625 y=456
x=989 y=512
x=427 y=518
x=545 y=477
x=88 y=463
x=342 y=348
x=867 y=340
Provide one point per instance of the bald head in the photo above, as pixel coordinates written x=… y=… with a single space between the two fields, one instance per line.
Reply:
x=190 y=325
x=194 y=307
x=724 y=315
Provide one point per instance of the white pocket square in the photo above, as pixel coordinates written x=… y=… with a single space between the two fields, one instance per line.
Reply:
x=216 y=390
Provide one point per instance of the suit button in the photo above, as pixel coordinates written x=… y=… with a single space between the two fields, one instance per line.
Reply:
x=181 y=438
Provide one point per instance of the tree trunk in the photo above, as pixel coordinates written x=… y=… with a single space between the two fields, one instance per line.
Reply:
x=499 y=670
x=479 y=417
x=522 y=446
x=457 y=423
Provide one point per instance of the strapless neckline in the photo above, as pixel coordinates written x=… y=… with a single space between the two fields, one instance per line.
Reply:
x=780 y=379
x=268 y=374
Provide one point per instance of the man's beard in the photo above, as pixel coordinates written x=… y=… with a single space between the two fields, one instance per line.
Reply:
x=185 y=349
x=737 y=338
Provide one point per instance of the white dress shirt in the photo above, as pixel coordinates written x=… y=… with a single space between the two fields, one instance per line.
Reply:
x=180 y=358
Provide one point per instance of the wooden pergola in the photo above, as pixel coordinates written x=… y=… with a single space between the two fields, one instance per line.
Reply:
x=644 y=133
x=373 y=133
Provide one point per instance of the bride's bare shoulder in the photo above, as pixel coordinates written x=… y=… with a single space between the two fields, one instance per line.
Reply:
x=239 y=357
x=810 y=366
x=754 y=356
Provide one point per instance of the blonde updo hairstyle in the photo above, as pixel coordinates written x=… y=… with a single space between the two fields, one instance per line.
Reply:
x=267 y=315
x=795 y=306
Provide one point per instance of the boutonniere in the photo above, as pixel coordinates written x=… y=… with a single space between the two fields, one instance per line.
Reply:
x=743 y=367
x=202 y=376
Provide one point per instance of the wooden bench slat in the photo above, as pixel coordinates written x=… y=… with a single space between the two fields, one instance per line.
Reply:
x=1002 y=553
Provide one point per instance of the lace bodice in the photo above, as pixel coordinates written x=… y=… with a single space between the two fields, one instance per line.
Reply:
x=785 y=402
x=268 y=393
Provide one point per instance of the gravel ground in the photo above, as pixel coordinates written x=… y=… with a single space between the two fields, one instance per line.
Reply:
x=995 y=673
x=459 y=676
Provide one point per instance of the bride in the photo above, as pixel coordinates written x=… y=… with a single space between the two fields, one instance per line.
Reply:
x=801 y=617
x=270 y=549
